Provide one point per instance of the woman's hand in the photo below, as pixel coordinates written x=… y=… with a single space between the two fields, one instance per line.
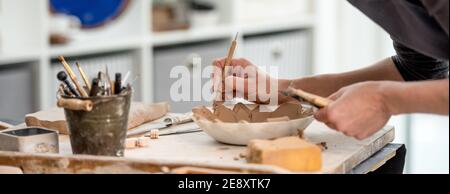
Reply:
x=358 y=110
x=246 y=80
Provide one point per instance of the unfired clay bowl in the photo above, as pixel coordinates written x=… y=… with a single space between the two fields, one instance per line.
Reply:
x=242 y=133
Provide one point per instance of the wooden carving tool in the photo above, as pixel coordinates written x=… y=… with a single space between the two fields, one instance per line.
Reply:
x=226 y=66
x=73 y=77
x=75 y=104
x=84 y=76
x=316 y=100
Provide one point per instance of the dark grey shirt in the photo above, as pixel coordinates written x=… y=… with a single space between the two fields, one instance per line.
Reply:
x=419 y=29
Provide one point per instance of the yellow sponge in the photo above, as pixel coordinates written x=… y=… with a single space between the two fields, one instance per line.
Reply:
x=291 y=153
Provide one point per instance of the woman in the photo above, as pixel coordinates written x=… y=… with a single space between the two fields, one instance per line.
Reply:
x=413 y=81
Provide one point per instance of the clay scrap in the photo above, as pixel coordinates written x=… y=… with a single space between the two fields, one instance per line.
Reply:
x=252 y=113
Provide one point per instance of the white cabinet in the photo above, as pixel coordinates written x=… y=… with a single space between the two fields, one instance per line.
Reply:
x=289 y=51
x=17 y=96
x=167 y=58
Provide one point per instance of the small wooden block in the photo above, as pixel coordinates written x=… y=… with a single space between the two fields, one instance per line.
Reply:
x=291 y=153
x=143 y=142
x=154 y=134
x=131 y=143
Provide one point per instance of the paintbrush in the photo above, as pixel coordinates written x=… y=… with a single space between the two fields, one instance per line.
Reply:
x=73 y=77
x=84 y=76
x=108 y=86
x=316 y=100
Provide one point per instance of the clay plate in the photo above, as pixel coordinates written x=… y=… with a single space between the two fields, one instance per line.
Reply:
x=242 y=132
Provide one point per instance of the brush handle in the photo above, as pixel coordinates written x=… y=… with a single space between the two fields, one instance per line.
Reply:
x=75 y=104
x=84 y=76
x=73 y=77
x=316 y=100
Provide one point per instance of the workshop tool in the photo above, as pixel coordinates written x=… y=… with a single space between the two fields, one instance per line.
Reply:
x=110 y=85
x=167 y=122
x=316 y=100
x=73 y=77
x=118 y=83
x=62 y=76
x=125 y=79
x=226 y=68
x=64 y=90
x=84 y=76
x=95 y=91
x=102 y=131
x=180 y=131
x=105 y=84
x=29 y=140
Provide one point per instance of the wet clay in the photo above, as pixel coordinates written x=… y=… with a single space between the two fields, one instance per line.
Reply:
x=252 y=113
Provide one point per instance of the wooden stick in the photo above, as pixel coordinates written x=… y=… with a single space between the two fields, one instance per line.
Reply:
x=229 y=57
x=316 y=100
x=227 y=64
x=73 y=77
x=75 y=104
x=84 y=76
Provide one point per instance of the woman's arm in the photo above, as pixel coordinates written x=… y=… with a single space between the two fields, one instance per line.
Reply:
x=417 y=97
x=362 y=109
x=325 y=85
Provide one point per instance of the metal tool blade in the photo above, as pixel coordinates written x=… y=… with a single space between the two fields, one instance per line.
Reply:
x=146 y=129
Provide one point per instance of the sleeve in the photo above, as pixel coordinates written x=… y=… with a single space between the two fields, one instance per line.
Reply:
x=414 y=66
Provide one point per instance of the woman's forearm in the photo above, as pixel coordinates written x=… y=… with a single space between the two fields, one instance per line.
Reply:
x=326 y=85
x=417 y=97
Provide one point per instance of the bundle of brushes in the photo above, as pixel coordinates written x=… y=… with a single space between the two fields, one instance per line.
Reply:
x=102 y=85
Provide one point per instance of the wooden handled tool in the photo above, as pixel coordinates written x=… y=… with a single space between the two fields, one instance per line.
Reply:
x=229 y=57
x=84 y=76
x=73 y=77
x=316 y=100
x=227 y=64
x=75 y=104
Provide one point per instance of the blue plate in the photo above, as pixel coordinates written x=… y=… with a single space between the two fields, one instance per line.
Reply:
x=92 y=13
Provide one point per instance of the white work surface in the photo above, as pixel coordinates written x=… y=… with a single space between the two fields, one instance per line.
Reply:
x=343 y=153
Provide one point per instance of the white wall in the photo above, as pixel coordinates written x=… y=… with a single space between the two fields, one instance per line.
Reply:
x=347 y=40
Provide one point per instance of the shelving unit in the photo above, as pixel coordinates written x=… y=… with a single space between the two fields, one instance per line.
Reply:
x=24 y=39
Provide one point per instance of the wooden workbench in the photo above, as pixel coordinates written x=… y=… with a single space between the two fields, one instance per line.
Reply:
x=200 y=150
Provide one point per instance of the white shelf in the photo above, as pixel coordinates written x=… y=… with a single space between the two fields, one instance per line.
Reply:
x=191 y=35
x=13 y=58
x=305 y=21
x=77 y=48
x=131 y=32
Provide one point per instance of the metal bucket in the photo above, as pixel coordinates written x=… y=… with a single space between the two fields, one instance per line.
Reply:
x=101 y=131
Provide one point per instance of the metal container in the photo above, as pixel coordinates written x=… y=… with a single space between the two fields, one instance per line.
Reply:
x=101 y=131
x=29 y=140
